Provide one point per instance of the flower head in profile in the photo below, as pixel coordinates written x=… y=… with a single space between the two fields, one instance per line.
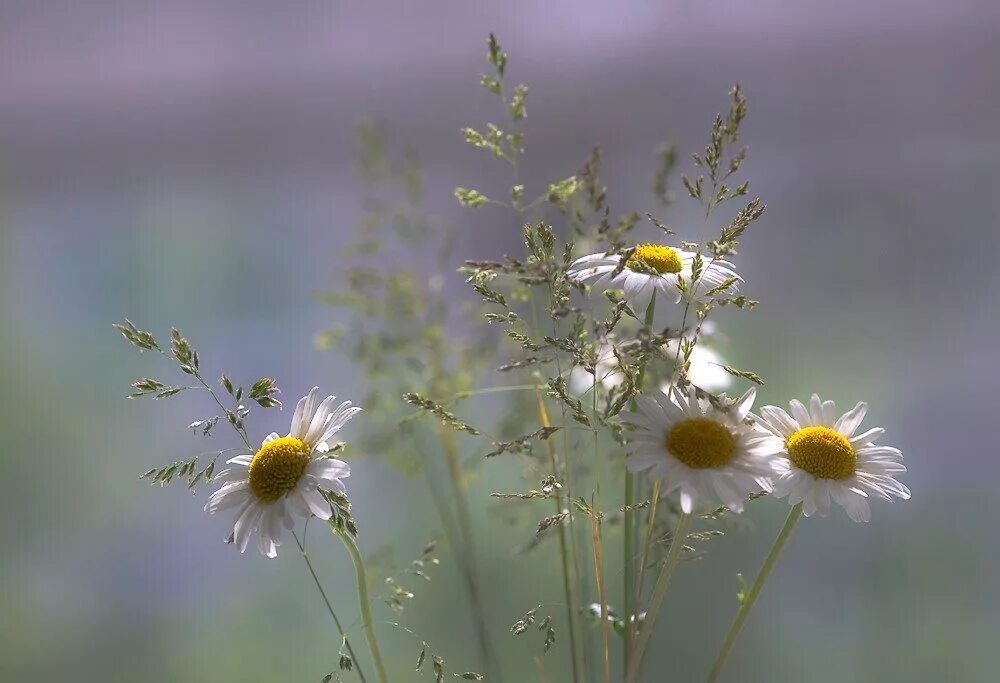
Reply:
x=706 y=453
x=825 y=457
x=286 y=476
x=607 y=374
x=651 y=268
x=707 y=370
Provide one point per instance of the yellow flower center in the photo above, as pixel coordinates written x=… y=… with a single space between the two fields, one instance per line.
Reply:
x=277 y=467
x=822 y=452
x=701 y=443
x=660 y=258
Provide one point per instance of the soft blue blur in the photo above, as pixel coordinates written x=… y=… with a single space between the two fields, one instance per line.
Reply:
x=180 y=163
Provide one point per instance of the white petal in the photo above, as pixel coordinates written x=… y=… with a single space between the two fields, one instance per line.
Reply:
x=866 y=437
x=319 y=420
x=229 y=496
x=800 y=413
x=743 y=405
x=851 y=420
x=779 y=420
x=687 y=502
x=303 y=414
x=816 y=409
x=329 y=469
x=338 y=419
x=317 y=503
x=829 y=413
x=245 y=525
x=297 y=503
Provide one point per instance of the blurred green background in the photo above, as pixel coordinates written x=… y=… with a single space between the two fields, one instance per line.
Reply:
x=186 y=164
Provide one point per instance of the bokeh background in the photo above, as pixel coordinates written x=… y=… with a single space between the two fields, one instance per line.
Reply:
x=189 y=163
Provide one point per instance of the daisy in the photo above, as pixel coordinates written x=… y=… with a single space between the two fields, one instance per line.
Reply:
x=286 y=476
x=704 y=452
x=824 y=457
x=663 y=266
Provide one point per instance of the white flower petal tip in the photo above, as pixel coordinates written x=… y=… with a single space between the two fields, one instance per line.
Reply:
x=286 y=478
x=823 y=458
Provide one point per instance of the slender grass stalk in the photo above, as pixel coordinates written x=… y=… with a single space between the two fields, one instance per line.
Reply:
x=364 y=601
x=748 y=601
x=628 y=563
x=568 y=593
x=598 y=553
x=659 y=592
x=329 y=607
x=595 y=529
x=470 y=573
x=644 y=558
x=464 y=557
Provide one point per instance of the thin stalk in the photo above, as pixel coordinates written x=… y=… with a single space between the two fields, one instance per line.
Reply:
x=628 y=564
x=439 y=497
x=598 y=554
x=567 y=470
x=365 y=602
x=463 y=557
x=329 y=607
x=650 y=524
x=543 y=418
x=747 y=604
x=226 y=411
x=595 y=529
x=659 y=592
x=491 y=390
x=471 y=572
x=567 y=550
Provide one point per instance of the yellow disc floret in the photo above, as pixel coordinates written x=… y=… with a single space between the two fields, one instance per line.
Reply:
x=701 y=443
x=822 y=452
x=277 y=467
x=660 y=258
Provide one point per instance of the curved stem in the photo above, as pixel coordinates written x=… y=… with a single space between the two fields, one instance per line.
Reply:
x=329 y=607
x=595 y=526
x=644 y=557
x=543 y=418
x=468 y=552
x=363 y=599
x=747 y=603
x=659 y=592
x=628 y=568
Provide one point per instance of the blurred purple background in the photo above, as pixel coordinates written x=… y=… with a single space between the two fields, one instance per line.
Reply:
x=190 y=163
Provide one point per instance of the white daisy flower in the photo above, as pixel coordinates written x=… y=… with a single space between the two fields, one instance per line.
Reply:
x=285 y=476
x=668 y=265
x=823 y=457
x=706 y=453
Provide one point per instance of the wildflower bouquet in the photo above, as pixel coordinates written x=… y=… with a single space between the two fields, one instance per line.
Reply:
x=602 y=332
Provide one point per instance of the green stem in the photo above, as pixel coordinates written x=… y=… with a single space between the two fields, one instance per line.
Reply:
x=365 y=602
x=470 y=570
x=659 y=592
x=747 y=604
x=644 y=556
x=543 y=418
x=595 y=526
x=629 y=518
x=329 y=607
